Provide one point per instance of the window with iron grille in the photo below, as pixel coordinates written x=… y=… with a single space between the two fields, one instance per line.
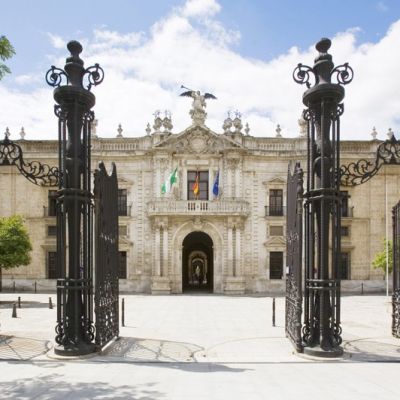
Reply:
x=276 y=202
x=122 y=265
x=344 y=231
x=345 y=265
x=275 y=265
x=203 y=185
x=51 y=230
x=52 y=203
x=345 y=203
x=122 y=202
x=51 y=265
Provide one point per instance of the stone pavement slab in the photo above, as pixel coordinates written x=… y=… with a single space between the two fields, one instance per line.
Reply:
x=198 y=347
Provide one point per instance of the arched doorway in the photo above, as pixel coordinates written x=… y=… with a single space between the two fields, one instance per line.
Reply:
x=197 y=262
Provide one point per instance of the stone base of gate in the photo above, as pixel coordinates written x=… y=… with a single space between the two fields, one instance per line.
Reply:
x=160 y=285
x=317 y=351
x=235 y=285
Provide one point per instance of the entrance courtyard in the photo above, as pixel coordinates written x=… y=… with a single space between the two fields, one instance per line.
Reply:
x=198 y=346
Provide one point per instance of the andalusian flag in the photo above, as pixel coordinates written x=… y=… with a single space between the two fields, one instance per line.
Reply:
x=167 y=185
x=196 y=185
x=216 y=185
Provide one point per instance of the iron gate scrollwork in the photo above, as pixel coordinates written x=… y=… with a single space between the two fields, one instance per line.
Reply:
x=106 y=255
x=396 y=272
x=294 y=240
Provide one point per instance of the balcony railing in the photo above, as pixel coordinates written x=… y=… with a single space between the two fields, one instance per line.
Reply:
x=275 y=211
x=198 y=207
x=124 y=211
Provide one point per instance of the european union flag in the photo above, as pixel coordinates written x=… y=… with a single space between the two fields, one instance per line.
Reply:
x=216 y=185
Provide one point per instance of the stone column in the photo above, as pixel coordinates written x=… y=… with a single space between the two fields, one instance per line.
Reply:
x=238 y=255
x=164 y=272
x=230 y=251
x=157 y=251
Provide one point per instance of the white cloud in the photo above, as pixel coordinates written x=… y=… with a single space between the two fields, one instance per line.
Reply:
x=57 y=41
x=200 y=8
x=144 y=72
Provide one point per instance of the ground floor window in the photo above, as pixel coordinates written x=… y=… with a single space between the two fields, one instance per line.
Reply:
x=51 y=265
x=122 y=265
x=344 y=265
x=275 y=265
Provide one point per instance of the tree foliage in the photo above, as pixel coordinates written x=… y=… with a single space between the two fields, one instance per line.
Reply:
x=380 y=258
x=15 y=245
x=6 y=52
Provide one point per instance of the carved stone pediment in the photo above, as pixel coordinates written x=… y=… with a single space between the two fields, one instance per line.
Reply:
x=275 y=241
x=275 y=181
x=198 y=140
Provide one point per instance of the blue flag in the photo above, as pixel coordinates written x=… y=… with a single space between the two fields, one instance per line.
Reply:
x=216 y=185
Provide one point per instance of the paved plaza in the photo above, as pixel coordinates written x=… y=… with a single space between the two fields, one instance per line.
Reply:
x=198 y=347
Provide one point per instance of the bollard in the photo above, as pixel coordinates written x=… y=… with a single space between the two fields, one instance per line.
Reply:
x=362 y=287
x=14 y=311
x=14 y=286
x=35 y=287
x=273 y=311
x=50 y=304
x=19 y=302
x=123 y=313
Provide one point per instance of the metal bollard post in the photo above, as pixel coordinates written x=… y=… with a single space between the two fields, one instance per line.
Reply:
x=14 y=286
x=35 y=287
x=273 y=311
x=14 y=311
x=19 y=302
x=362 y=287
x=123 y=313
x=50 y=304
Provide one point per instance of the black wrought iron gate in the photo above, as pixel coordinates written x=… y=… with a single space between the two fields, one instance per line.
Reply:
x=294 y=234
x=396 y=272
x=106 y=255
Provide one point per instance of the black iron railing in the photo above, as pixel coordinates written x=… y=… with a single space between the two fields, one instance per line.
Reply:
x=275 y=211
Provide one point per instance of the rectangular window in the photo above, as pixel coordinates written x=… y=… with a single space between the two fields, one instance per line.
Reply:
x=122 y=230
x=51 y=265
x=203 y=185
x=51 y=211
x=122 y=202
x=122 y=265
x=344 y=265
x=276 y=202
x=275 y=265
x=344 y=231
x=345 y=203
x=276 y=230
x=51 y=230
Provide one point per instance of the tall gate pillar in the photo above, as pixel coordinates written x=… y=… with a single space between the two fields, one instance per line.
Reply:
x=321 y=330
x=75 y=332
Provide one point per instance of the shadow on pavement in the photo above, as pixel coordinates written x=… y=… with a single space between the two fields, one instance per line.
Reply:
x=17 y=348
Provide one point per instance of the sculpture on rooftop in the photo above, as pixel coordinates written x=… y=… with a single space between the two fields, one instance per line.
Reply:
x=198 y=112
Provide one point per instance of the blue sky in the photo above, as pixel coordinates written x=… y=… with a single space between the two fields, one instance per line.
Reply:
x=243 y=51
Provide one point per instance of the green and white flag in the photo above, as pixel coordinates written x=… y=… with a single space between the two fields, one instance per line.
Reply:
x=167 y=185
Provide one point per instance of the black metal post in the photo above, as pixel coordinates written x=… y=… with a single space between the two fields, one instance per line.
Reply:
x=75 y=332
x=273 y=311
x=14 y=286
x=322 y=331
x=35 y=287
x=19 y=302
x=123 y=312
x=50 y=304
x=14 y=311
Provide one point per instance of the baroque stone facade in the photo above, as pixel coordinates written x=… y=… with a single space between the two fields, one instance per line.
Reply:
x=231 y=243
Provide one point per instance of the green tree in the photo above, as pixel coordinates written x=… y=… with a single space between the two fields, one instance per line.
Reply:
x=15 y=244
x=6 y=52
x=380 y=258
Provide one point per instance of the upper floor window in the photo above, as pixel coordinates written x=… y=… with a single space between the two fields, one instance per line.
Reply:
x=275 y=265
x=276 y=202
x=122 y=264
x=51 y=265
x=345 y=203
x=51 y=211
x=197 y=185
x=122 y=202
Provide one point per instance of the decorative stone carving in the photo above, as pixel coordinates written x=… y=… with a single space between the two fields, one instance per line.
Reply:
x=198 y=223
x=247 y=129
x=232 y=163
x=234 y=126
x=148 y=129
x=93 y=128
x=303 y=126
x=198 y=113
x=22 y=133
x=278 y=131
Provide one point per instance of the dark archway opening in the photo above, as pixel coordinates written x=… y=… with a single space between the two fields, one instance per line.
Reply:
x=197 y=263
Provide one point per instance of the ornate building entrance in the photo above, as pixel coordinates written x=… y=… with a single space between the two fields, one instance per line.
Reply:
x=197 y=262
